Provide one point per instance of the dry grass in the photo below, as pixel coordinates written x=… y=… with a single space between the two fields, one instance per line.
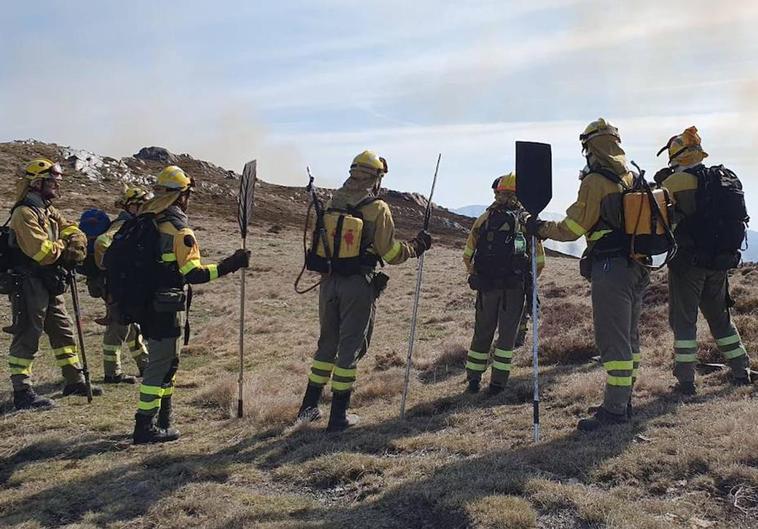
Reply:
x=457 y=461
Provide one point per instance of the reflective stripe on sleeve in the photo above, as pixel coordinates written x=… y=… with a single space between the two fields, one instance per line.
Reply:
x=168 y=257
x=393 y=252
x=104 y=241
x=213 y=270
x=69 y=231
x=574 y=226
x=597 y=235
x=189 y=266
x=45 y=249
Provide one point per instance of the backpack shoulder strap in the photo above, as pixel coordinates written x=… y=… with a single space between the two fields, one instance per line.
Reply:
x=613 y=177
x=365 y=202
x=24 y=202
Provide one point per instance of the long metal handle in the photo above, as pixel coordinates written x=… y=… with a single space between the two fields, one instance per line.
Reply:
x=80 y=334
x=412 y=335
x=535 y=343
x=240 y=382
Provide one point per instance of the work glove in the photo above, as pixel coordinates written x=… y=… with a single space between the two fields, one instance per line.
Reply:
x=422 y=242
x=533 y=225
x=239 y=259
x=73 y=253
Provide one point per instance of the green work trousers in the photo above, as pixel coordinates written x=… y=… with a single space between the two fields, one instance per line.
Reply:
x=692 y=288
x=502 y=310
x=160 y=373
x=42 y=312
x=618 y=285
x=118 y=337
x=346 y=314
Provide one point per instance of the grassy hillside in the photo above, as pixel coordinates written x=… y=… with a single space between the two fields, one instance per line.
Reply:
x=457 y=461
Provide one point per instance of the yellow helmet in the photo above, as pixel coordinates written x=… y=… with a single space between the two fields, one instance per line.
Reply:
x=42 y=168
x=685 y=148
x=599 y=127
x=131 y=195
x=505 y=183
x=175 y=179
x=371 y=161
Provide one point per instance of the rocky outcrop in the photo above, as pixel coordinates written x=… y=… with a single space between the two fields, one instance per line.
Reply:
x=157 y=154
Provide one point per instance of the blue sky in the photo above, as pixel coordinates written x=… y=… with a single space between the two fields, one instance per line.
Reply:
x=296 y=83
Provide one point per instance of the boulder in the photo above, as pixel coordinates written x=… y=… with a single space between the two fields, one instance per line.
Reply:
x=156 y=154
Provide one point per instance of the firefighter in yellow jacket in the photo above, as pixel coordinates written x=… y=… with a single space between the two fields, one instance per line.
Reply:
x=497 y=260
x=47 y=247
x=180 y=266
x=118 y=336
x=695 y=280
x=618 y=281
x=347 y=301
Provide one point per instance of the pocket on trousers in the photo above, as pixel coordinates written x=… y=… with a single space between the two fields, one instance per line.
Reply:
x=171 y=300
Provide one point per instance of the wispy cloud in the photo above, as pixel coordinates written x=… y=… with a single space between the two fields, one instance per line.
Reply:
x=302 y=82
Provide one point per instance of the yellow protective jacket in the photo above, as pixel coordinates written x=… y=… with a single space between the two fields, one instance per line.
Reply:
x=40 y=231
x=104 y=240
x=682 y=187
x=180 y=252
x=473 y=237
x=596 y=214
x=378 y=227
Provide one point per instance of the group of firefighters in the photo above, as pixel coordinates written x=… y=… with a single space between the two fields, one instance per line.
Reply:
x=496 y=257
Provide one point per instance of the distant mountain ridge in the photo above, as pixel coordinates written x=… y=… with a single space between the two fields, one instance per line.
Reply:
x=576 y=248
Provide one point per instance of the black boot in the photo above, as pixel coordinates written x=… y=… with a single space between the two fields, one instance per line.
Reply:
x=80 y=389
x=601 y=418
x=684 y=389
x=338 y=417
x=165 y=415
x=120 y=379
x=495 y=389
x=27 y=399
x=473 y=385
x=145 y=431
x=309 y=411
x=743 y=377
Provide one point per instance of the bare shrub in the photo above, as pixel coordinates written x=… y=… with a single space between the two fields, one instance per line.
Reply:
x=382 y=385
x=388 y=360
x=265 y=403
x=452 y=353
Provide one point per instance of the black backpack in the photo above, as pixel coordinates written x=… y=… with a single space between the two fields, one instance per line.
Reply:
x=6 y=260
x=719 y=226
x=133 y=268
x=9 y=256
x=501 y=248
